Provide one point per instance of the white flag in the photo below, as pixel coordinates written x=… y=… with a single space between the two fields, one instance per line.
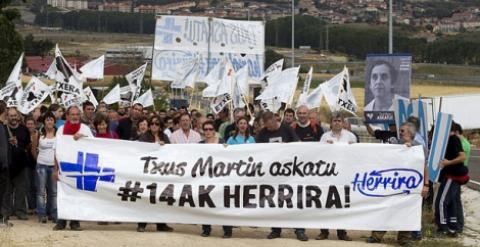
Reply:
x=12 y=92
x=330 y=90
x=272 y=105
x=308 y=81
x=67 y=79
x=241 y=89
x=273 y=69
x=135 y=79
x=34 y=94
x=52 y=71
x=345 y=99
x=312 y=100
x=113 y=96
x=213 y=78
x=218 y=103
x=93 y=69
x=186 y=74
x=227 y=82
x=68 y=100
x=126 y=95
x=88 y=95
x=281 y=86
x=145 y=99
x=15 y=75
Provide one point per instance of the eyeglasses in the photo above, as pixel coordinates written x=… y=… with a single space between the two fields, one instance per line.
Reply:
x=208 y=129
x=155 y=123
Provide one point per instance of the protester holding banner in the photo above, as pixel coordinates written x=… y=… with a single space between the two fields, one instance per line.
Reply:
x=229 y=130
x=452 y=176
x=242 y=133
x=386 y=136
x=73 y=127
x=4 y=164
x=407 y=136
x=305 y=129
x=101 y=127
x=185 y=134
x=154 y=135
x=337 y=134
x=19 y=139
x=126 y=127
x=274 y=131
x=211 y=138
x=45 y=156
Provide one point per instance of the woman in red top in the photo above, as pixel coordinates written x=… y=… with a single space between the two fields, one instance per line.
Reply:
x=101 y=126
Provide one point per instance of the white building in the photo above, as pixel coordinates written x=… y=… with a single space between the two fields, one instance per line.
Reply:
x=69 y=4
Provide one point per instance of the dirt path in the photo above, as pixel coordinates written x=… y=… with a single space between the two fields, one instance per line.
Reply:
x=32 y=233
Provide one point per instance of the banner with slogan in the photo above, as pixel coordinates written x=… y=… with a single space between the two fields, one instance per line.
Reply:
x=178 y=39
x=291 y=185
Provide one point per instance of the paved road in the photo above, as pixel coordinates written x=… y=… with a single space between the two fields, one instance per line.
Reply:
x=474 y=169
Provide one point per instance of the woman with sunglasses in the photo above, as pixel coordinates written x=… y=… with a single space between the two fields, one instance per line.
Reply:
x=210 y=137
x=154 y=134
x=242 y=133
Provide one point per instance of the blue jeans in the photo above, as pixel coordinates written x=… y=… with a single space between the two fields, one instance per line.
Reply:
x=46 y=185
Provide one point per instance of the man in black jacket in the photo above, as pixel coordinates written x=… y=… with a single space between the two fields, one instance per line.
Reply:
x=126 y=127
x=4 y=173
x=19 y=141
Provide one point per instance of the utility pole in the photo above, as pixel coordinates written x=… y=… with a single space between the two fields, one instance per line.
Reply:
x=327 y=37
x=293 y=33
x=390 y=27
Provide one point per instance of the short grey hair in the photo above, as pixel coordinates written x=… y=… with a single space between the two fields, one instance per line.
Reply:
x=412 y=130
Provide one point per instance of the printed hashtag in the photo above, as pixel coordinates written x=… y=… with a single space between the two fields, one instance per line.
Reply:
x=129 y=192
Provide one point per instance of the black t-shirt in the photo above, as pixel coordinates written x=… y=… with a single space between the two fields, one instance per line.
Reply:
x=454 y=147
x=386 y=136
x=283 y=134
x=126 y=129
x=311 y=133
x=19 y=152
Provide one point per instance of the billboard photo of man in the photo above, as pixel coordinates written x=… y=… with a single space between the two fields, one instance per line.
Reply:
x=385 y=77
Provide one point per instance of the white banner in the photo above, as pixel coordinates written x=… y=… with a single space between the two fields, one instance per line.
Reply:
x=284 y=185
x=180 y=38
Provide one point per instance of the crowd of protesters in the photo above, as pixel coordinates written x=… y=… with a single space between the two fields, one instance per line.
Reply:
x=29 y=174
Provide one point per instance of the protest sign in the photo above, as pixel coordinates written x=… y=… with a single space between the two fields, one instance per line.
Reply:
x=284 y=185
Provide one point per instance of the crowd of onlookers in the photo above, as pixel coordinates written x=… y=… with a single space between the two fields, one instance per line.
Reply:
x=29 y=173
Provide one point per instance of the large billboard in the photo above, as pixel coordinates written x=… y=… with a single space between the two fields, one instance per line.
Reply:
x=179 y=39
x=386 y=75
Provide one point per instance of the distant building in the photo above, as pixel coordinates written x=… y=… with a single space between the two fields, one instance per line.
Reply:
x=69 y=4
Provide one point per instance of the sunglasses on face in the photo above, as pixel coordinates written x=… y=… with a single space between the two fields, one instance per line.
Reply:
x=208 y=129
x=155 y=123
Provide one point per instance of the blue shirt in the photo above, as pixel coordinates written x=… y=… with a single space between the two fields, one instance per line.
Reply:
x=59 y=123
x=234 y=140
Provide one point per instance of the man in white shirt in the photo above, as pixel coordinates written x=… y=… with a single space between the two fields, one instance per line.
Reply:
x=337 y=134
x=74 y=127
x=185 y=134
